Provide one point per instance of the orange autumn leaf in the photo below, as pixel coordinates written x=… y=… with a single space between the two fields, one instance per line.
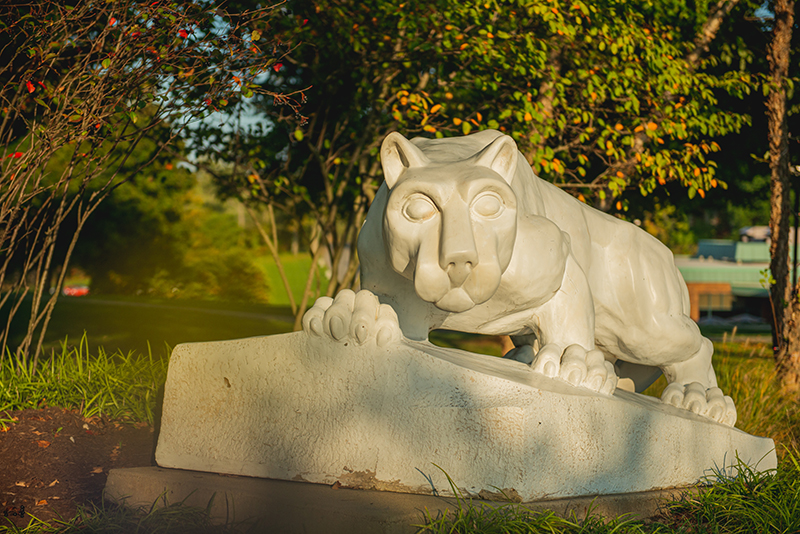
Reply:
x=43 y=444
x=41 y=503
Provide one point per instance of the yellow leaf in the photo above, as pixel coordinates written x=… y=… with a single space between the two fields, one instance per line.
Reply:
x=448 y=96
x=490 y=35
x=582 y=198
x=620 y=174
x=638 y=128
x=696 y=171
x=463 y=46
x=652 y=126
x=713 y=182
x=528 y=117
x=436 y=108
x=661 y=180
x=456 y=121
x=609 y=146
x=448 y=27
x=480 y=117
x=403 y=101
x=660 y=141
x=619 y=205
x=701 y=193
x=619 y=126
x=429 y=128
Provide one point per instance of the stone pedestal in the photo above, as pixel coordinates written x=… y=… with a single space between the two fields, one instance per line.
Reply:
x=293 y=407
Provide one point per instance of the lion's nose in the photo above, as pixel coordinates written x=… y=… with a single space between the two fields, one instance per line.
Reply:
x=458 y=272
x=458 y=254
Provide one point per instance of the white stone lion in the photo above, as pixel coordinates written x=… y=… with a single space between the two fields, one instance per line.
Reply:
x=463 y=236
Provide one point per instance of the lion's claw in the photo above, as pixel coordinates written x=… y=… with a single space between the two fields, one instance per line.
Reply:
x=576 y=366
x=356 y=317
x=711 y=402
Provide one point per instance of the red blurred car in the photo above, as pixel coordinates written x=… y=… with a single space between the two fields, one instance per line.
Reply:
x=75 y=291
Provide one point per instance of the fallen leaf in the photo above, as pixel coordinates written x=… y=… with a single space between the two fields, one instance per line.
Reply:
x=41 y=503
x=72 y=439
x=97 y=470
x=44 y=444
x=53 y=483
x=38 y=433
x=21 y=484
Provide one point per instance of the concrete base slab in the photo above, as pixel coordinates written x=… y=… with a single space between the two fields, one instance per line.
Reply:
x=289 y=507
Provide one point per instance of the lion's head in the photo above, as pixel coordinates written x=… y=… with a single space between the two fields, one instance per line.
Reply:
x=450 y=226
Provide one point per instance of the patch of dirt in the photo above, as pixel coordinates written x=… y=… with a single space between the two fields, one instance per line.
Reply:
x=52 y=460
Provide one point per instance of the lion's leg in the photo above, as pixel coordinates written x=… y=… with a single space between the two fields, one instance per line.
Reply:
x=675 y=345
x=564 y=329
x=692 y=385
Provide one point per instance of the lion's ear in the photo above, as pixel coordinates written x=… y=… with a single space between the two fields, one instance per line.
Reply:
x=397 y=155
x=500 y=156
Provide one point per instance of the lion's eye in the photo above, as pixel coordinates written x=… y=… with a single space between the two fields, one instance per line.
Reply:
x=488 y=205
x=419 y=209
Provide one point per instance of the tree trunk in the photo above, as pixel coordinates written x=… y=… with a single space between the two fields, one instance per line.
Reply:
x=785 y=306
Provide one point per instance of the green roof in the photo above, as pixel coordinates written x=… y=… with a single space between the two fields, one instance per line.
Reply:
x=744 y=278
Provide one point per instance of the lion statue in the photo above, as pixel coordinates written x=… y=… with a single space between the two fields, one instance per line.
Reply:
x=463 y=236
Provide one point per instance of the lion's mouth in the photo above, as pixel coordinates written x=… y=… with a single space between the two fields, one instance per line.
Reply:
x=456 y=300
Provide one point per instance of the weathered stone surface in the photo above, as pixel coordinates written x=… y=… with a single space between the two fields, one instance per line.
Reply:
x=295 y=407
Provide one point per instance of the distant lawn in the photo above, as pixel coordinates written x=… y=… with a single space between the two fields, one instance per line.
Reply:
x=129 y=323
x=296 y=268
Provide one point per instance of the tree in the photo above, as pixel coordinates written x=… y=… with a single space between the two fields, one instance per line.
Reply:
x=85 y=84
x=601 y=98
x=786 y=307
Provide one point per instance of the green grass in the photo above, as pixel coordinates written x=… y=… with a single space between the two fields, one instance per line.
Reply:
x=119 y=386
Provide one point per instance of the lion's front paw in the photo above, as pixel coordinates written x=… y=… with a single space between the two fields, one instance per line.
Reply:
x=581 y=368
x=711 y=402
x=352 y=316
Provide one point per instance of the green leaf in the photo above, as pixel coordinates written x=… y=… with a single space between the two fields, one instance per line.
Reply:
x=466 y=127
x=106 y=63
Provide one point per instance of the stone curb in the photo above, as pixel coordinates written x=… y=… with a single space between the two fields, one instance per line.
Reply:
x=283 y=506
